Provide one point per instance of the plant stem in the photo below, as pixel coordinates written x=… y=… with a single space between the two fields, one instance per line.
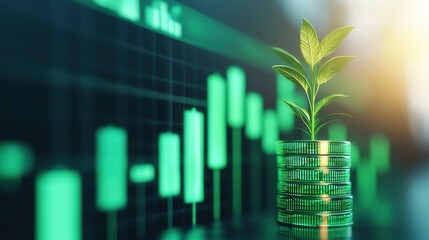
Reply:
x=313 y=98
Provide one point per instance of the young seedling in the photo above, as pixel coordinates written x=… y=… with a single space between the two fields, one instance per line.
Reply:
x=313 y=53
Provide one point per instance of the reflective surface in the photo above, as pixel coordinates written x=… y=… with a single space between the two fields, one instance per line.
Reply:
x=401 y=212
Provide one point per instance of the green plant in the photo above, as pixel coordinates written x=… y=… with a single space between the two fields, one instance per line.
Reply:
x=313 y=53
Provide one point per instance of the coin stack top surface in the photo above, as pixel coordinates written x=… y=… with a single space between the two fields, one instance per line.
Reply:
x=313 y=184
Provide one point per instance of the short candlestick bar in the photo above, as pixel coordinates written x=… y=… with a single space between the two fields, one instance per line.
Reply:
x=58 y=205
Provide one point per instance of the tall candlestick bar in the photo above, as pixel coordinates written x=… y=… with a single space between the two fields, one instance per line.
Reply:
x=193 y=156
x=111 y=168
x=236 y=80
x=379 y=151
x=216 y=122
x=285 y=91
x=169 y=164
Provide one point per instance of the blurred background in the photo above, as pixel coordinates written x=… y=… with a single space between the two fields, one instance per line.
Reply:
x=74 y=72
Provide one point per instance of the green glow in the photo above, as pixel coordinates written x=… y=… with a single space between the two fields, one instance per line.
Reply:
x=169 y=164
x=196 y=29
x=366 y=176
x=337 y=132
x=16 y=159
x=285 y=90
x=197 y=233
x=271 y=132
x=142 y=173
x=355 y=155
x=58 y=205
x=236 y=93
x=159 y=18
x=111 y=168
x=254 y=112
x=193 y=160
x=216 y=114
x=163 y=9
x=379 y=152
x=128 y=9
x=171 y=234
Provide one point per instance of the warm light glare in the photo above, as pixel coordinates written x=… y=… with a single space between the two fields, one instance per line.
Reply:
x=324 y=147
x=395 y=36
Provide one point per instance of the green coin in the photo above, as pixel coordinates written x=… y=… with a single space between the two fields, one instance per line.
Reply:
x=296 y=232
x=313 y=147
x=314 y=175
x=315 y=220
x=314 y=189
x=313 y=161
x=314 y=205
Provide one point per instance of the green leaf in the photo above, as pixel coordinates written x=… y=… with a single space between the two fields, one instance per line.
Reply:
x=309 y=43
x=327 y=100
x=333 y=40
x=332 y=67
x=324 y=124
x=300 y=112
x=289 y=59
x=293 y=75
x=331 y=115
x=305 y=131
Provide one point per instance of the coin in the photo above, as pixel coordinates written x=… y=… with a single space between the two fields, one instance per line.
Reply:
x=315 y=220
x=314 y=147
x=313 y=161
x=314 y=189
x=314 y=205
x=297 y=232
x=314 y=175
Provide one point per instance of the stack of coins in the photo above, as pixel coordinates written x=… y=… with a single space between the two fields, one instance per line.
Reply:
x=320 y=233
x=313 y=186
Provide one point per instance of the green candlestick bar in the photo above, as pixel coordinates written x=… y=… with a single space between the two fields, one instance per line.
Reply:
x=169 y=164
x=58 y=205
x=366 y=176
x=111 y=168
x=193 y=158
x=128 y=9
x=355 y=155
x=254 y=112
x=285 y=90
x=271 y=132
x=236 y=93
x=379 y=152
x=337 y=132
x=142 y=173
x=16 y=159
x=216 y=114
